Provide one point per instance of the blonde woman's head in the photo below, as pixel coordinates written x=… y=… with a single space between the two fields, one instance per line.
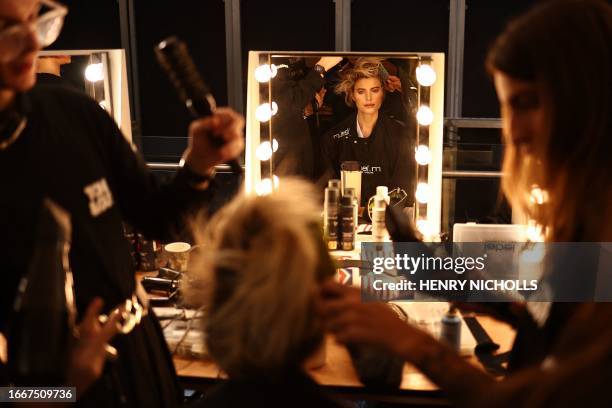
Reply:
x=261 y=261
x=363 y=84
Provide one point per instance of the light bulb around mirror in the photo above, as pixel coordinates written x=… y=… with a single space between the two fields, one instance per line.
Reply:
x=266 y=186
x=426 y=75
x=264 y=112
x=422 y=155
x=94 y=72
x=538 y=195
x=424 y=228
x=274 y=145
x=265 y=72
x=264 y=151
x=423 y=193
x=424 y=115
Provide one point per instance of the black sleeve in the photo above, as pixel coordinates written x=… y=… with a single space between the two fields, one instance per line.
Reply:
x=329 y=156
x=160 y=211
x=295 y=94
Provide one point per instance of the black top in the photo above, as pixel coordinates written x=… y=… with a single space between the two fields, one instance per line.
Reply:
x=72 y=152
x=289 y=127
x=296 y=390
x=386 y=156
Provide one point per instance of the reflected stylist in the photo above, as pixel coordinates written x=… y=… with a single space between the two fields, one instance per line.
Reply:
x=60 y=144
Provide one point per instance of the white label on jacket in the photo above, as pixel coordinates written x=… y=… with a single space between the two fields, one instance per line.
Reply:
x=100 y=197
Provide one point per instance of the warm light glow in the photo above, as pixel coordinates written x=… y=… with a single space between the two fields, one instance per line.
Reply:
x=423 y=193
x=424 y=228
x=94 y=72
x=103 y=105
x=422 y=155
x=424 y=115
x=538 y=195
x=264 y=73
x=274 y=145
x=425 y=75
x=263 y=113
x=534 y=232
x=264 y=151
x=266 y=186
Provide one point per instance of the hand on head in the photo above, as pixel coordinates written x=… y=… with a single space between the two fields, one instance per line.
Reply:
x=352 y=321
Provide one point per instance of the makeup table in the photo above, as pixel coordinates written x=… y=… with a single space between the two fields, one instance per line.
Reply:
x=338 y=375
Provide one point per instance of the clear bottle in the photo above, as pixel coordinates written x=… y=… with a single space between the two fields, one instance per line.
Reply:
x=381 y=200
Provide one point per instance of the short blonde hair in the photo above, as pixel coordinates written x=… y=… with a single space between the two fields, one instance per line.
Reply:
x=260 y=264
x=364 y=67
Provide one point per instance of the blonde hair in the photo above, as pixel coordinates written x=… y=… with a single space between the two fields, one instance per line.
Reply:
x=257 y=272
x=364 y=67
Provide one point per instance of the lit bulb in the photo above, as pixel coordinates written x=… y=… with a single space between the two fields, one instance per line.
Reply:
x=538 y=195
x=264 y=112
x=266 y=186
x=264 y=151
x=422 y=193
x=94 y=72
x=264 y=73
x=425 y=75
x=424 y=115
x=534 y=232
x=424 y=228
x=103 y=104
x=422 y=155
x=274 y=145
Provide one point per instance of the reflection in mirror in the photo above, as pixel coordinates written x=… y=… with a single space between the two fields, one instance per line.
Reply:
x=378 y=116
x=362 y=110
x=102 y=74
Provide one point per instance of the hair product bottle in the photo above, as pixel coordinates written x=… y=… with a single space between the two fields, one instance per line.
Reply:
x=330 y=222
x=450 y=332
x=347 y=225
x=381 y=200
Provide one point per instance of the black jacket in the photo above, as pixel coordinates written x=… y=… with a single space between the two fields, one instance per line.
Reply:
x=70 y=151
x=386 y=157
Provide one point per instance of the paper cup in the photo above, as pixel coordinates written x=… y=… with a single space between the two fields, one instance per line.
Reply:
x=178 y=255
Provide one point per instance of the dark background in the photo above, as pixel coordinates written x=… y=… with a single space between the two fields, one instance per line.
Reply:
x=385 y=25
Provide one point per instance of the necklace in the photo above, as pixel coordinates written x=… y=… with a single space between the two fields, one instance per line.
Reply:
x=4 y=144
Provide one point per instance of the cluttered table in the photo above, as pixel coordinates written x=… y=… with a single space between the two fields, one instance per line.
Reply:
x=336 y=372
x=339 y=376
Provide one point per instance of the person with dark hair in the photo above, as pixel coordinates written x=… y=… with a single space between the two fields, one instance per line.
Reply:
x=293 y=88
x=557 y=124
x=59 y=144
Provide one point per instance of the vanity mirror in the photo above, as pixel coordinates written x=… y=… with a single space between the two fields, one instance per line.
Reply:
x=102 y=74
x=312 y=113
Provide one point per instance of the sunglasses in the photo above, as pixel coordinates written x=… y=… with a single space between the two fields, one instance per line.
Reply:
x=46 y=28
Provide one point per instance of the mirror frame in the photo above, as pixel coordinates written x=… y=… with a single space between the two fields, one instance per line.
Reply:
x=114 y=86
x=427 y=214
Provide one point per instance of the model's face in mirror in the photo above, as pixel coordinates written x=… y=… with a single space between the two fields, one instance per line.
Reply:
x=368 y=95
x=18 y=73
x=524 y=118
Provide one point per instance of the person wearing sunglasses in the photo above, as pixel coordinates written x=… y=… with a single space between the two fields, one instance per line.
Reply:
x=59 y=144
